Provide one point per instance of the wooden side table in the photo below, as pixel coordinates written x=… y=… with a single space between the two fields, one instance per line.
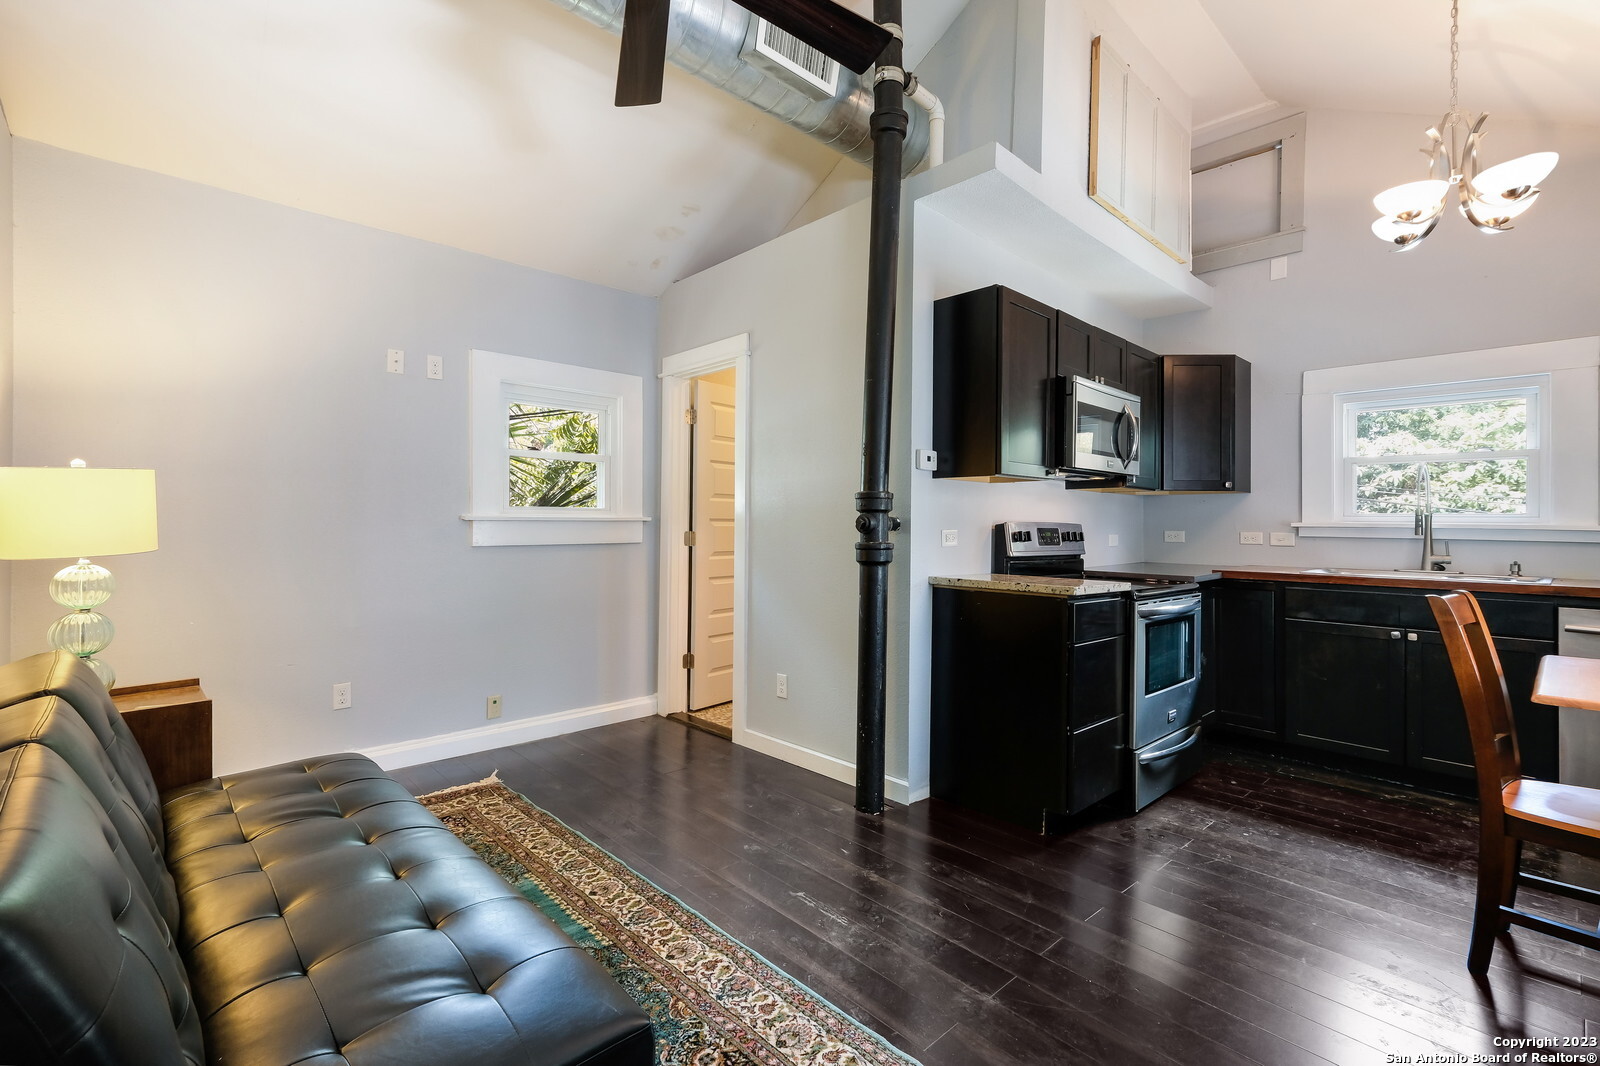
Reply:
x=171 y=720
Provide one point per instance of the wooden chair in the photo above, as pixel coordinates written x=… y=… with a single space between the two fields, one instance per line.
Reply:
x=1512 y=808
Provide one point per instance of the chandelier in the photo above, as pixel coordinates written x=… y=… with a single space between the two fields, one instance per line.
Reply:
x=1489 y=198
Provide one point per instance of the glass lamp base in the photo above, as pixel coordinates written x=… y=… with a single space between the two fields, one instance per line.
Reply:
x=83 y=586
x=102 y=670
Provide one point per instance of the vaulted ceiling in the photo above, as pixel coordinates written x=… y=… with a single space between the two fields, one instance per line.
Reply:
x=487 y=124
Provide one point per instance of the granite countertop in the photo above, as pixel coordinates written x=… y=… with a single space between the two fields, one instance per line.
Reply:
x=1185 y=571
x=1033 y=586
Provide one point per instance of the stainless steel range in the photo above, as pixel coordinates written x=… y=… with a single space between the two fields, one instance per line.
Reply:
x=1164 y=615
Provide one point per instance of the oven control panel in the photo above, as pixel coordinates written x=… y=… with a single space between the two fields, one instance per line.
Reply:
x=1023 y=539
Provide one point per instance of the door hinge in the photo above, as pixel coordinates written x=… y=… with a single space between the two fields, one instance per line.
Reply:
x=688 y=660
x=688 y=538
x=688 y=415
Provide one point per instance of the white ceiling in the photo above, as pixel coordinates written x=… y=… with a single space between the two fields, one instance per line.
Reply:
x=487 y=124
x=1527 y=59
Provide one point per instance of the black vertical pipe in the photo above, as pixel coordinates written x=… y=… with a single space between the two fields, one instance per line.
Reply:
x=874 y=551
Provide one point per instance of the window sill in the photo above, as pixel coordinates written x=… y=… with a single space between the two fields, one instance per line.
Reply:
x=499 y=530
x=1555 y=534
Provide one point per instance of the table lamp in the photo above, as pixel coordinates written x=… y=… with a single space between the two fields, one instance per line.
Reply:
x=62 y=512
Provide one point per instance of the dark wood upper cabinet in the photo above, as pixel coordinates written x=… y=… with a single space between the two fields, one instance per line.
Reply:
x=1107 y=353
x=1074 y=340
x=994 y=364
x=1000 y=361
x=1206 y=420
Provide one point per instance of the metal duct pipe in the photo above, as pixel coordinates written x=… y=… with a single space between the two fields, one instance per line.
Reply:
x=705 y=39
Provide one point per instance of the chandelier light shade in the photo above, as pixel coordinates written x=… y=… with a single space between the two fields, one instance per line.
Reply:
x=62 y=512
x=1490 y=199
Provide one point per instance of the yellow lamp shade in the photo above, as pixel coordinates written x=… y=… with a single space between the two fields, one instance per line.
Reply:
x=74 y=512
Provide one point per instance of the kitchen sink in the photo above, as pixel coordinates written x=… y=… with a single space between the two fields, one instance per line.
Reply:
x=1443 y=576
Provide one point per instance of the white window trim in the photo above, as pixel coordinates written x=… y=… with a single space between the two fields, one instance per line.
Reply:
x=1535 y=389
x=494 y=375
x=1570 y=474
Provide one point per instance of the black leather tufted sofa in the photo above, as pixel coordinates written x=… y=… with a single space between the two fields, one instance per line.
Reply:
x=310 y=913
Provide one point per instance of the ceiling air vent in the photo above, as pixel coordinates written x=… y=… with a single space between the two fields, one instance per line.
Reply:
x=787 y=57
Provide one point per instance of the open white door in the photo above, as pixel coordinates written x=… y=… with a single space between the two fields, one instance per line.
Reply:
x=711 y=551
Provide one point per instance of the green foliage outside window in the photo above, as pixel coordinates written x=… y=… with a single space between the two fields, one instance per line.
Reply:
x=550 y=482
x=1461 y=484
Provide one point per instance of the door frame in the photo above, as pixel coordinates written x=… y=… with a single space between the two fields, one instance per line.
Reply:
x=677 y=374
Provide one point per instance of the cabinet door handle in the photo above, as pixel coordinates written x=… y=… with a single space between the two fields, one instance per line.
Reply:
x=1411 y=636
x=1580 y=629
x=1394 y=634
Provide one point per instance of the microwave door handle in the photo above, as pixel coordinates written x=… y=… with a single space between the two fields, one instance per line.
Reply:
x=1133 y=434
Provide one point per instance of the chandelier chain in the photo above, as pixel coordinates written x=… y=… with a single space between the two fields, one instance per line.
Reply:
x=1455 y=50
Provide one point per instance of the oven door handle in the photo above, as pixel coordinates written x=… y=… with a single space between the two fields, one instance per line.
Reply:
x=1187 y=605
x=1165 y=753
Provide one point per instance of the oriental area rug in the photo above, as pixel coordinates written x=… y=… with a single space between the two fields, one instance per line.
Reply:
x=712 y=1001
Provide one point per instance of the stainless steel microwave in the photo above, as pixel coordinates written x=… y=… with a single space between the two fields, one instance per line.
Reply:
x=1099 y=430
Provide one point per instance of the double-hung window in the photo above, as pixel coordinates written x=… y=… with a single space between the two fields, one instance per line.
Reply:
x=557 y=453
x=1465 y=448
x=557 y=448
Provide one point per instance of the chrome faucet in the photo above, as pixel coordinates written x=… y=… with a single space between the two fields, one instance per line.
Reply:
x=1434 y=556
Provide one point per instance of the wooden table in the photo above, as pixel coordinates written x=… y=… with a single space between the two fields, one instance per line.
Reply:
x=1567 y=681
x=171 y=720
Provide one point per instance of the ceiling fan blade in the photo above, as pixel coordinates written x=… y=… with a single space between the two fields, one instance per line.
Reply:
x=644 y=52
x=835 y=31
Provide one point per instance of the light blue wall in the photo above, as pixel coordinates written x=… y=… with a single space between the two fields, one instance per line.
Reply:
x=309 y=501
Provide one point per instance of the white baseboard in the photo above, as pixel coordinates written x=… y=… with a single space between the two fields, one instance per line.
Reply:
x=895 y=788
x=504 y=734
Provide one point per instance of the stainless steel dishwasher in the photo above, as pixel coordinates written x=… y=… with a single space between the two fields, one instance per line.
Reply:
x=1580 y=729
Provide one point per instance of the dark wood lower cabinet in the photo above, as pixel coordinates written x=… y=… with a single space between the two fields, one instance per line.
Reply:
x=1388 y=695
x=1241 y=676
x=1029 y=703
x=1436 y=722
x=1344 y=688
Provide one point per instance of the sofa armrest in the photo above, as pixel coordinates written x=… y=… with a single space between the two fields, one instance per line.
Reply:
x=172 y=723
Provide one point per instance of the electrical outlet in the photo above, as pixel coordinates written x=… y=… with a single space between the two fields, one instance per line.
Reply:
x=436 y=367
x=1174 y=536
x=491 y=707
x=949 y=538
x=783 y=686
x=341 y=695
x=1252 y=538
x=397 y=361
x=1283 y=540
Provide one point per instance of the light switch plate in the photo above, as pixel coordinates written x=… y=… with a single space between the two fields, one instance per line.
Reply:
x=1280 y=267
x=948 y=538
x=1283 y=540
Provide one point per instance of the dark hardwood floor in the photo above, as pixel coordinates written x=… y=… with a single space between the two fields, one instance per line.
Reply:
x=1262 y=913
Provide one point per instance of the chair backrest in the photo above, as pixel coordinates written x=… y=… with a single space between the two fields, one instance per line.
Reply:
x=1483 y=693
